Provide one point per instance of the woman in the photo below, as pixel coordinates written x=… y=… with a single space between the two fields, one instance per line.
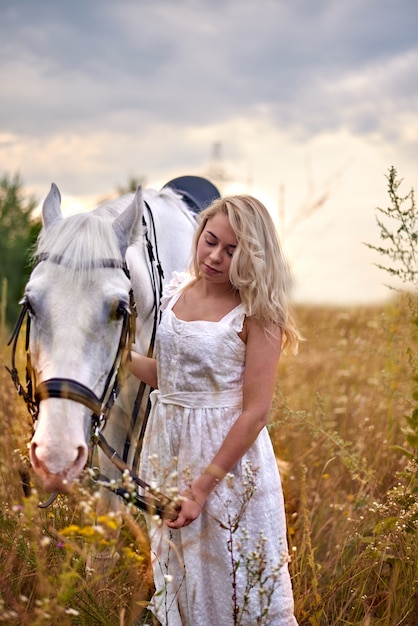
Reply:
x=223 y=560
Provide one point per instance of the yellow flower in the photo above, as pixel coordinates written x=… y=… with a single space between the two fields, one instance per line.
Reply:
x=71 y=530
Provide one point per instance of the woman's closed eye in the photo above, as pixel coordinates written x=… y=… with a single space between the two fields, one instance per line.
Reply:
x=229 y=250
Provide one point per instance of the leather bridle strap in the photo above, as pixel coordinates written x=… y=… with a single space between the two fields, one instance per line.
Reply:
x=68 y=389
x=154 y=502
x=25 y=392
x=156 y=274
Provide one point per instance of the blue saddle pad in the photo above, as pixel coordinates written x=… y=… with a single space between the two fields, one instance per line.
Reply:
x=197 y=192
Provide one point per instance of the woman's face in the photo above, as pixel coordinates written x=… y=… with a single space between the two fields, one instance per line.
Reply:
x=215 y=248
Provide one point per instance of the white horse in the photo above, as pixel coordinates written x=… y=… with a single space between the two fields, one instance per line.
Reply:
x=78 y=301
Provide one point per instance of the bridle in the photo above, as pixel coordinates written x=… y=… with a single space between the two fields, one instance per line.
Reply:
x=67 y=388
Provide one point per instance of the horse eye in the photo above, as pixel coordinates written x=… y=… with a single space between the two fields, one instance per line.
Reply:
x=29 y=306
x=119 y=311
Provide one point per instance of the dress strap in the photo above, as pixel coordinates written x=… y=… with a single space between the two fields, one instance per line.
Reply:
x=174 y=288
x=235 y=318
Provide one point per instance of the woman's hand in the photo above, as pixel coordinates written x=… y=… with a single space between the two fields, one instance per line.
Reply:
x=190 y=510
x=194 y=497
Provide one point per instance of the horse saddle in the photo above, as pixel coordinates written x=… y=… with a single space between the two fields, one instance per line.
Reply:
x=197 y=192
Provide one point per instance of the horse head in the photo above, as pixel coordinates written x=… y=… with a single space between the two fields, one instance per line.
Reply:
x=78 y=297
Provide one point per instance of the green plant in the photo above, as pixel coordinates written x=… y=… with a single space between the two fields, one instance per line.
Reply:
x=402 y=238
x=399 y=232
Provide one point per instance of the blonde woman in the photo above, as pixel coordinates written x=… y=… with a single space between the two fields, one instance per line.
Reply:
x=224 y=559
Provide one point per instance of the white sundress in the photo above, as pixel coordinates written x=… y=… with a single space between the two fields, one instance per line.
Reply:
x=230 y=564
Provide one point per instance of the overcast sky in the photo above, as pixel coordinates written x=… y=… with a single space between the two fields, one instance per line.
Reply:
x=300 y=102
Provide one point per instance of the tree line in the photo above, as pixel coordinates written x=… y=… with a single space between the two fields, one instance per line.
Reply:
x=19 y=229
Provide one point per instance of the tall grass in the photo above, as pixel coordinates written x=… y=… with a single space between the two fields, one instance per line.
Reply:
x=351 y=492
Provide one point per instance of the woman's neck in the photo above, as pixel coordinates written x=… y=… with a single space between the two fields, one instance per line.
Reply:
x=214 y=290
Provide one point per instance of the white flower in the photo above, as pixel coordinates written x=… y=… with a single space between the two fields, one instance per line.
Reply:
x=72 y=612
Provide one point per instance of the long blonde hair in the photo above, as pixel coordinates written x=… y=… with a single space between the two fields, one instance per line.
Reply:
x=259 y=270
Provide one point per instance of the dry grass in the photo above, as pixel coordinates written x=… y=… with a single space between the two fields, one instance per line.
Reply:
x=351 y=495
x=351 y=499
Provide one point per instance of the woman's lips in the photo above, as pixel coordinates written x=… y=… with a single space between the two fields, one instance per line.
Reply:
x=210 y=270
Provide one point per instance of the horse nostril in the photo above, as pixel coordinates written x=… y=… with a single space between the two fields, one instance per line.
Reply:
x=81 y=459
x=33 y=457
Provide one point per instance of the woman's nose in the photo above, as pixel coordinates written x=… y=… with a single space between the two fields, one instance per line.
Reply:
x=215 y=255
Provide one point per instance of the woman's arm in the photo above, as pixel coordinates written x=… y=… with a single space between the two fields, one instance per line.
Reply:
x=262 y=358
x=144 y=368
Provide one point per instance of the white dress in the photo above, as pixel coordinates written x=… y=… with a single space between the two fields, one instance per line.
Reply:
x=230 y=565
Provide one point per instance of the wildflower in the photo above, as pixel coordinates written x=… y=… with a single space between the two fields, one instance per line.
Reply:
x=72 y=612
x=71 y=530
x=229 y=478
x=110 y=520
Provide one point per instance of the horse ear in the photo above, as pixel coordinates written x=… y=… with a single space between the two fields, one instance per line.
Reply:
x=128 y=223
x=51 y=208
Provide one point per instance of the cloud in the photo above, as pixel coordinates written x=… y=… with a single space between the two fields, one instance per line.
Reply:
x=310 y=65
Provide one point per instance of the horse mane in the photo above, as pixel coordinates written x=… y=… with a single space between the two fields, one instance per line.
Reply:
x=87 y=241
x=81 y=243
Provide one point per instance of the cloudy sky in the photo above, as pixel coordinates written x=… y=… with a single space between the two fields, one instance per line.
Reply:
x=303 y=103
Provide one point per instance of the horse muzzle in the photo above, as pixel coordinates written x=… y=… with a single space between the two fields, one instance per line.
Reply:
x=56 y=481
x=59 y=455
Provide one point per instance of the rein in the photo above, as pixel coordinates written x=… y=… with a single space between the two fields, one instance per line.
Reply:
x=66 y=388
x=156 y=274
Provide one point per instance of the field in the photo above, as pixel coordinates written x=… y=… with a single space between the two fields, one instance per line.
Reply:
x=346 y=437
